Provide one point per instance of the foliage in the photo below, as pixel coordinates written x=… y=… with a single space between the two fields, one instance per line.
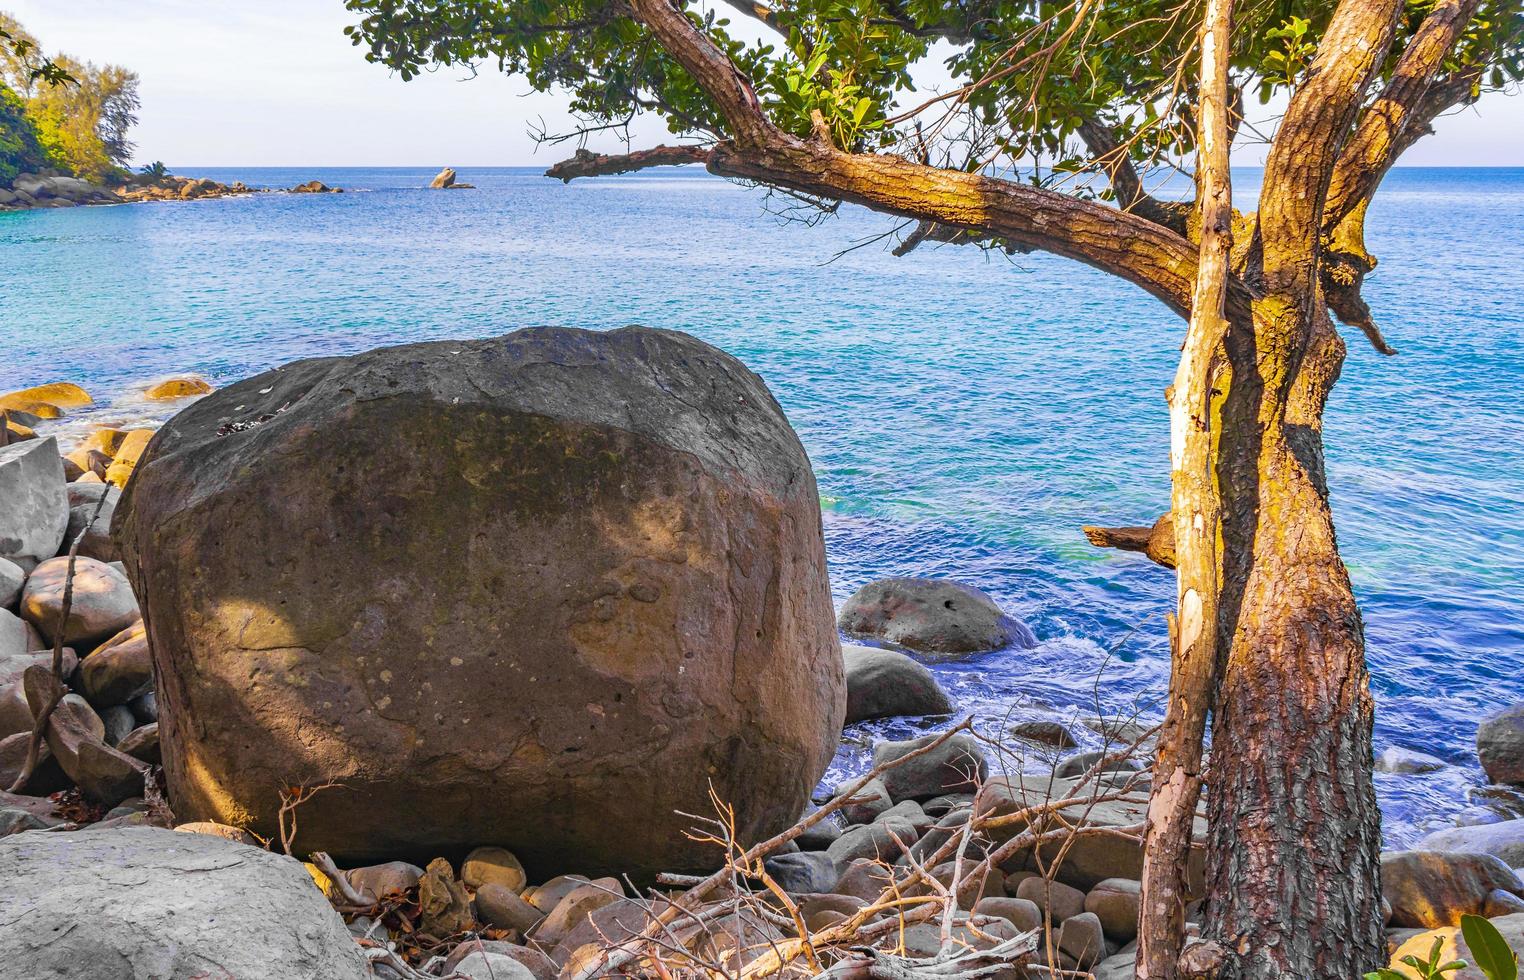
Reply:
x=1027 y=74
x=154 y=171
x=1493 y=957
x=21 y=59
x=20 y=151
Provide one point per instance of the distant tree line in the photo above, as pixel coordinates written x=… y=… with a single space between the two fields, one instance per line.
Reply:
x=60 y=113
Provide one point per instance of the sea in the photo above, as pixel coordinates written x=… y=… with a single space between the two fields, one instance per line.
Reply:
x=966 y=412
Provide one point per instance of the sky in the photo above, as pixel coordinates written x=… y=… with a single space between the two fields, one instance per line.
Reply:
x=276 y=83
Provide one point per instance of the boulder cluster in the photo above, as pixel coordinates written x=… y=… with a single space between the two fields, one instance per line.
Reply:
x=54 y=190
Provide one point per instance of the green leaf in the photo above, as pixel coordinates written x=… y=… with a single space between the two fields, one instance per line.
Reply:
x=1491 y=952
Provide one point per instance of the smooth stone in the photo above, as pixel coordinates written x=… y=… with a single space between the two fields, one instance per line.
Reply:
x=1054 y=898
x=481 y=965
x=195 y=903
x=120 y=670
x=1503 y=840
x=15 y=713
x=95 y=525
x=807 y=871
x=1432 y=889
x=235 y=834
x=615 y=921
x=1080 y=937
x=1115 y=902
x=88 y=494
x=119 y=723
x=103 y=604
x=538 y=964
x=819 y=835
x=863 y=878
x=11 y=579
x=1396 y=759
x=1500 y=745
x=545 y=897
x=444 y=907
x=47 y=777
x=493 y=864
x=62 y=394
x=142 y=743
x=972 y=886
x=376 y=881
x=578 y=904
x=1019 y=912
x=955 y=766
x=1123 y=966
x=941 y=806
x=908 y=811
x=931 y=616
x=146 y=708
x=1500 y=903
x=15 y=640
x=889 y=684
x=866 y=804
x=884 y=841
x=1044 y=731
x=36 y=510
x=1077 y=765
x=501 y=906
x=106 y=775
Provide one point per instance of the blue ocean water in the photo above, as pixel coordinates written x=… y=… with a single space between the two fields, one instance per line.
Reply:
x=965 y=413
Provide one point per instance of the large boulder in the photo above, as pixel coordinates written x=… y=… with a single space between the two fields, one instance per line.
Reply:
x=102 y=604
x=889 y=684
x=131 y=903
x=1430 y=889
x=539 y=590
x=931 y=616
x=34 y=509
x=1500 y=745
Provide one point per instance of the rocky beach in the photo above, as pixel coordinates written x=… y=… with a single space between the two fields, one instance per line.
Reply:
x=550 y=697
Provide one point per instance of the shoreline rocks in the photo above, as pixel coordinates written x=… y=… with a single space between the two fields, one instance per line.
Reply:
x=1500 y=745
x=53 y=190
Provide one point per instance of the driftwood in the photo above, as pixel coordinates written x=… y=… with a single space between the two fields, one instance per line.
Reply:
x=1157 y=542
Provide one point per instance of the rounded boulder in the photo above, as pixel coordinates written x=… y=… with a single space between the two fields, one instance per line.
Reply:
x=931 y=616
x=541 y=589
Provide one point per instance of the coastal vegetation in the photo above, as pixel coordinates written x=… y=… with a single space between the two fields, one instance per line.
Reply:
x=60 y=113
x=1267 y=638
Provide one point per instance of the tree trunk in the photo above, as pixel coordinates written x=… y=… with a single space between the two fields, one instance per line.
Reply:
x=1194 y=509
x=1294 y=858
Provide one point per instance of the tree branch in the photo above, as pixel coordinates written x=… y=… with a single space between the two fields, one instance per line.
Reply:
x=585 y=163
x=1113 y=158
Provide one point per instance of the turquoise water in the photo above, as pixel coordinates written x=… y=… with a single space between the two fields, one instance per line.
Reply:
x=965 y=414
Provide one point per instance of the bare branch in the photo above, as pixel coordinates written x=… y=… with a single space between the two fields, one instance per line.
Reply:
x=585 y=163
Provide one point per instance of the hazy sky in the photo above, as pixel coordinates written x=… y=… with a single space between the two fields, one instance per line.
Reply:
x=275 y=82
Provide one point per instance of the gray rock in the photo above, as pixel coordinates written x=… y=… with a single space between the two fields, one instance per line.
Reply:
x=931 y=616
x=1055 y=898
x=1081 y=938
x=1396 y=759
x=119 y=723
x=1431 y=889
x=46 y=777
x=955 y=766
x=545 y=897
x=603 y=549
x=36 y=509
x=1019 y=912
x=143 y=902
x=11 y=578
x=884 y=841
x=863 y=879
x=1045 y=731
x=867 y=803
x=1500 y=903
x=538 y=964
x=234 y=834
x=1123 y=966
x=807 y=871
x=96 y=528
x=15 y=641
x=578 y=904
x=103 y=603
x=482 y=965
x=142 y=743
x=15 y=714
x=1500 y=745
x=1503 y=840
x=1078 y=765
x=614 y=922
x=820 y=835
x=146 y=708
x=1115 y=902
x=501 y=906
x=889 y=684
x=376 y=881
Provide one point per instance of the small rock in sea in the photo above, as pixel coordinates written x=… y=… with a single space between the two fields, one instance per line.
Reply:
x=442 y=180
x=175 y=388
x=957 y=765
x=1503 y=840
x=49 y=400
x=889 y=684
x=256 y=914
x=36 y=511
x=1500 y=745
x=1396 y=759
x=931 y=616
x=1431 y=889
x=1045 y=731
x=502 y=907
x=445 y=909
x=1115 y=902
x=493 y=864
x=1078 y=765
x=103 y=604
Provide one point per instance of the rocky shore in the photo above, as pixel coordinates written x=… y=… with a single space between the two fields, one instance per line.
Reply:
x=53 y=190
x=381 y=760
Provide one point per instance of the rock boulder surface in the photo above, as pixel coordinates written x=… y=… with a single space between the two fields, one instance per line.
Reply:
x=931 y=616
x=536 y=590
x=36 y=507
x=132 y=903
